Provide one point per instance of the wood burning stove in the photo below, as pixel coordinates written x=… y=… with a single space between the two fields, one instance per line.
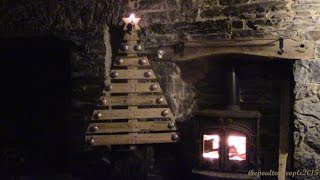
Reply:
x=227 y=140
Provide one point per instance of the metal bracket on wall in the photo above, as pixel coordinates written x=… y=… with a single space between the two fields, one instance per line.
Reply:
x=281 y=51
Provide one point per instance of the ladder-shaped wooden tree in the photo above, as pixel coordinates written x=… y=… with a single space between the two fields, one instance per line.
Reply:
x=133 y=109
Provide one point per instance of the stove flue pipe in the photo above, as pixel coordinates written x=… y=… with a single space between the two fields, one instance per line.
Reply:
x=233 y=97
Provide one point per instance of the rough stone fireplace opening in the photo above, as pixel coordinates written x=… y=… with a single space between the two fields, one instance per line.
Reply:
x=265 y=85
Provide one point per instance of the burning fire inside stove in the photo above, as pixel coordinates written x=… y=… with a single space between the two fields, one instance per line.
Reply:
x=211 y=146
x=236 y=147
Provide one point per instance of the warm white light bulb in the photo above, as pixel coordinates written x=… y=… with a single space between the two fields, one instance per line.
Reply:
x=131 y=17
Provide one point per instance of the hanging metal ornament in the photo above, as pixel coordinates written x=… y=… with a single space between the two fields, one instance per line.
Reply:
x=103 y=101
x=164 y=113
x=171 y=125
x=142 y=61
x=91 y=141
x=147 y=74
x=99 y=115
x=160 y=100
x=153 y=87
x=125 y=47
x=138 y=47
x=95 y=128
x=109 y=88
x=114 y=74
x=174 y=137
x=120 y=61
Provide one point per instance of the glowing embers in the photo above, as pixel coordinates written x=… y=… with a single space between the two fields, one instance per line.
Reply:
x=211 y=146
x=237 y=147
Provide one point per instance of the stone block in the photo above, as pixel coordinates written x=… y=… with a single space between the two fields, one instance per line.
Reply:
x=303 y=91
x=237 y=24
x=258 y=7
x=209 y=3
x=232 y=2
x=248 y=16
x=308 y=107
x=307 y=71
x=209 y=26
x=313 y=35
x=248 y=34
x=153 y=17
x=146 y=5
x=212 y=12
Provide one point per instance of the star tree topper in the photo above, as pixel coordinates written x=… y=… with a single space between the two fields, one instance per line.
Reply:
x=132 y=22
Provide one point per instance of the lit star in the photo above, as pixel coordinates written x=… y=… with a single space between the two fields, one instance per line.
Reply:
x=131 y=20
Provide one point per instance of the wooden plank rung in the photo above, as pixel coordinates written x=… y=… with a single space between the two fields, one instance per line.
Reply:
x=126 y=139
x=141 y=61
x=135 y=87
x=131 y=126
x=132 y=113
x=132 y=74
x=134 y=100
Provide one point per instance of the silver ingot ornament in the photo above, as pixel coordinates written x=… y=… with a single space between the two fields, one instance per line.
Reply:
x=125 y=47
x=160 y=100
x=153 y=87
x=94 y=128
x=109 y=88
x=114 y=74
x=91 y=141
x=171 y=125
x=164 y=113
x=103 y=101
x=142 y=61
x=174 y=137
x=147 y=74
x=120 y=61
x=138 y=47
x=84 y=88
x=99 y=115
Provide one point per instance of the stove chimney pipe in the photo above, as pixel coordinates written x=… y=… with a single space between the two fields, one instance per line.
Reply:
x=233 y=98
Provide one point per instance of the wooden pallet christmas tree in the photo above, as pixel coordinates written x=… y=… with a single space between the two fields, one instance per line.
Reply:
x=133 y=109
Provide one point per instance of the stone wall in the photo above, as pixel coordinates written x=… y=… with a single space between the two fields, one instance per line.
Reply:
x=307 y=115
x=170 y=21
x=88 y=23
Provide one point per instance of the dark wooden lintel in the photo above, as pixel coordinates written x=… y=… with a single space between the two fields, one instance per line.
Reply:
x=192 y=50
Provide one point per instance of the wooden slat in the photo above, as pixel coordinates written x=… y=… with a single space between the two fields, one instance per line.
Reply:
x=131 y=114
x=150 y=126
x=133 y=88
x=132 y=61
x=134 y=100
x=125 y=139
x=133 y=74
x=131 y=37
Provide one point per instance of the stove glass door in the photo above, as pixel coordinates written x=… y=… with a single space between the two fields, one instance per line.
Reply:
x=211 y=146
x=237 y=147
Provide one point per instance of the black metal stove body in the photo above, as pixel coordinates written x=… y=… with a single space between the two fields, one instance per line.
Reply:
x=227 y=140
